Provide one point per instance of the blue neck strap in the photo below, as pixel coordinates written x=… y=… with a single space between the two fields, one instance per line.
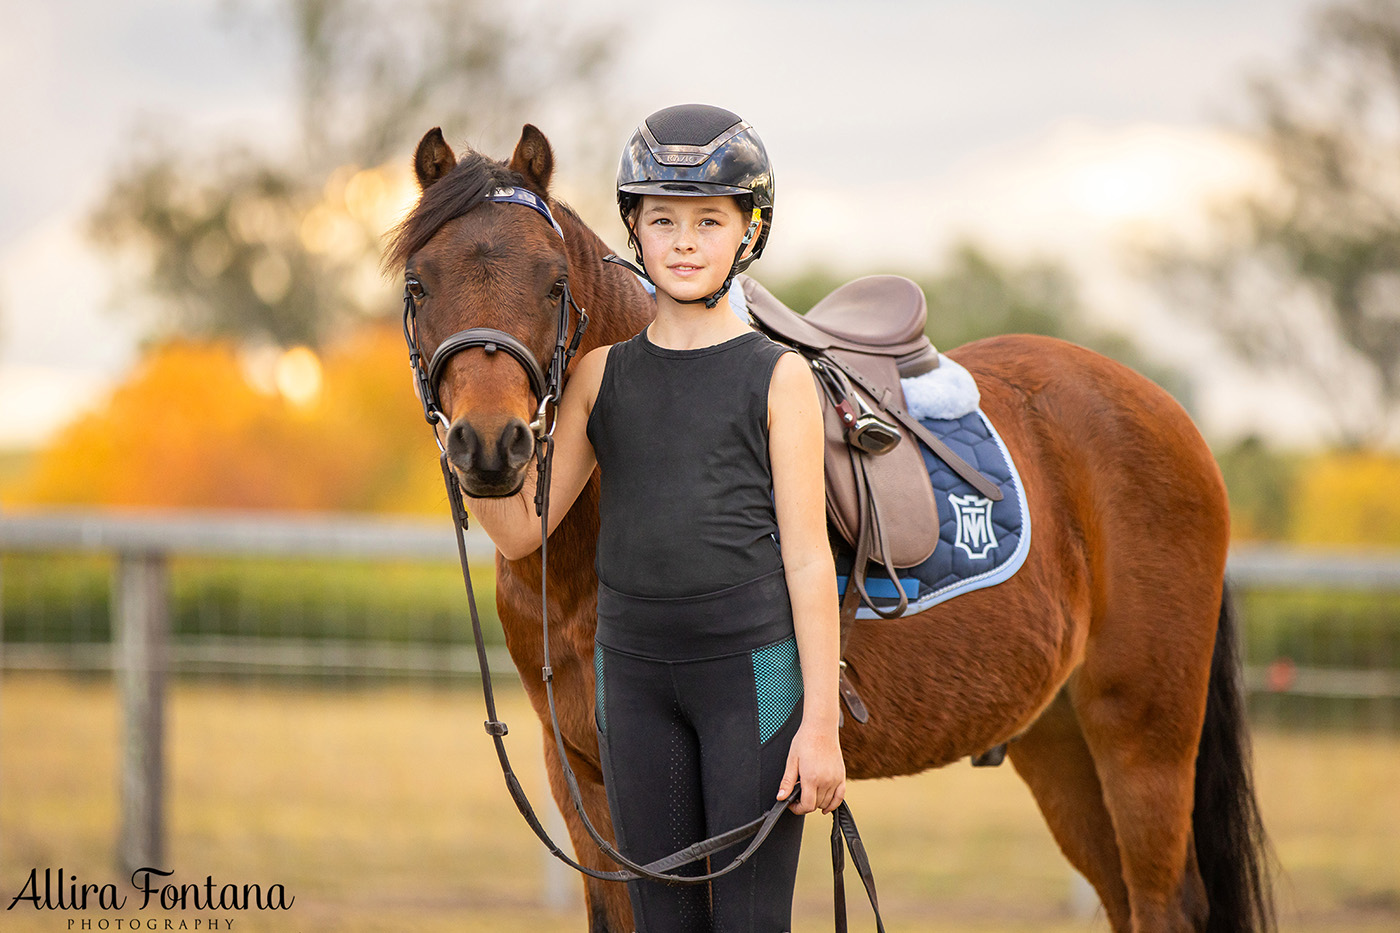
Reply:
x=528 y=199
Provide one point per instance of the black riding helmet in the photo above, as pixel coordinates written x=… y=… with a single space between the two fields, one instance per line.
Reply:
x=697 y=150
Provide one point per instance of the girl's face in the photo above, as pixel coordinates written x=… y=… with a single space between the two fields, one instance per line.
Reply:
x=689 y=243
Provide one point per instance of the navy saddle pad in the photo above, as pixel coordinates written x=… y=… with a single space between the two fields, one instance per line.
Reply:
x=981 y=542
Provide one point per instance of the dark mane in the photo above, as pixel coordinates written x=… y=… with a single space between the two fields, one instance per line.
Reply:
x=456 y=193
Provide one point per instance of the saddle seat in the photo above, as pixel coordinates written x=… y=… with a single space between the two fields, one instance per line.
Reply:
x=878 y=310
x=882 y=315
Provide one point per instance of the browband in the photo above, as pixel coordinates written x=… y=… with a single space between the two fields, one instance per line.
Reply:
x=529 y=199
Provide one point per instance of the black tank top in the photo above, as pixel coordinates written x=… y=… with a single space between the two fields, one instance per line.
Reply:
x=681 y=438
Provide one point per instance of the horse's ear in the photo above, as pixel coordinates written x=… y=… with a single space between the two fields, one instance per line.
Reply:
x=533 y=158
x=433 y=159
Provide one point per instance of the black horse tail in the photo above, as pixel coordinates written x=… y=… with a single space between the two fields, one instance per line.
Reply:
x=1232 y=850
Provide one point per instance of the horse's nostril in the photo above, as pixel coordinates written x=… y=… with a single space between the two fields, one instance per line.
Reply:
x=517 y=443
x=462 y=445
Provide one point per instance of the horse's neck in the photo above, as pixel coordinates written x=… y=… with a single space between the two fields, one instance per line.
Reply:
x=618 y=308
x=617 y=305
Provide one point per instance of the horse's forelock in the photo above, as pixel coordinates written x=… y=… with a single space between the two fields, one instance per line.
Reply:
x=455 y=194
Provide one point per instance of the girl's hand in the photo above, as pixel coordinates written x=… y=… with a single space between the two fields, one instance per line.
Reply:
x=814 y=760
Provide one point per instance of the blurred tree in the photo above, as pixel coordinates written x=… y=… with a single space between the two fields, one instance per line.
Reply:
x=1262 y=484
x=975 y=294
x=1304 y=278
x=1348 y=498
x=242 y=242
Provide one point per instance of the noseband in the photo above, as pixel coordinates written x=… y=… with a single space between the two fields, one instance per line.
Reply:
x=544 y=385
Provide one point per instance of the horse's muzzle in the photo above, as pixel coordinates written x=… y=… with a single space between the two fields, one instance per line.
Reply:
x=490 y=463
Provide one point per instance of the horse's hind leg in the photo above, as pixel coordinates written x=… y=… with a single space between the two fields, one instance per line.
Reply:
x=1139 y=698
x=1054 y=761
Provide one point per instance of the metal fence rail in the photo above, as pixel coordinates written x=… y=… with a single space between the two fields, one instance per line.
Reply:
x=151 y=538
x=141 y=651
x=252 y=654
x=142 y=654
x=236 y=534
x=1259 y=566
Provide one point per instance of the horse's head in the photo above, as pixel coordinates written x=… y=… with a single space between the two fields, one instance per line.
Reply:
x=473 y=260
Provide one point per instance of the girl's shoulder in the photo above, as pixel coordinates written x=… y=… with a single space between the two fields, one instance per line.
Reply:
x=771 y=348
x=588 y=373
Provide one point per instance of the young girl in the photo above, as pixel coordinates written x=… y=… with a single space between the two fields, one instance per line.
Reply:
x=717 y=644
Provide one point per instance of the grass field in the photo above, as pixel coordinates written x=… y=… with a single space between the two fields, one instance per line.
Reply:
x=383 y=810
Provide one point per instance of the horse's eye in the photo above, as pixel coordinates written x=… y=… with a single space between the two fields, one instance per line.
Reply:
x=414 y=289
x=557 y=291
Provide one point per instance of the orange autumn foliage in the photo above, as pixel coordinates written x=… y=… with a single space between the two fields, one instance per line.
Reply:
x=187 y=430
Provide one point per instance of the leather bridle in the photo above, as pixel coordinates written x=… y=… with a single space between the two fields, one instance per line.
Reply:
x=545 y=386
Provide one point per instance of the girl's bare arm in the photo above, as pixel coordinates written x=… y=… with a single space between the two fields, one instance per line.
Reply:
x=795 y=444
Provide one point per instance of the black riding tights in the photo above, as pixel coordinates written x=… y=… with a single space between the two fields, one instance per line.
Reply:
x=692 y=748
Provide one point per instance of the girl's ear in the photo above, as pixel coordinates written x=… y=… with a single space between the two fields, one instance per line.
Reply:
x=630 y=221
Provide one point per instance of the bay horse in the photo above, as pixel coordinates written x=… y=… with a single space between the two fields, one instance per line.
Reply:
x=1107 y=662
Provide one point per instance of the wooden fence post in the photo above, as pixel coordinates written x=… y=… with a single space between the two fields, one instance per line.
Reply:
x=142 y=625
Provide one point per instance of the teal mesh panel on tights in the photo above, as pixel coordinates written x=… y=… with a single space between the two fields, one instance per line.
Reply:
x=598 y=689
x=778 y=680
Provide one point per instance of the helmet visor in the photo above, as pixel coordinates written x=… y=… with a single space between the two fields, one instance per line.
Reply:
x=682 y=189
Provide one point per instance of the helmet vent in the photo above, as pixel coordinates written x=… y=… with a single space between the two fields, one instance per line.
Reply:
x=690 y=124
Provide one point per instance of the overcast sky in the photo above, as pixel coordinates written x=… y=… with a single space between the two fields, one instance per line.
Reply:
x=895 y=127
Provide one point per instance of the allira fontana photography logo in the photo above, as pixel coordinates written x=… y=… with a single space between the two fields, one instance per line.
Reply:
x=150 y=889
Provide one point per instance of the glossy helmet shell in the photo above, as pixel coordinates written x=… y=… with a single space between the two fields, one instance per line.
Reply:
x=697 y=150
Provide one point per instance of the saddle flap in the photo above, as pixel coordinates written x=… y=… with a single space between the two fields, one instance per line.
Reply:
x=875 y=326
x=898 y=480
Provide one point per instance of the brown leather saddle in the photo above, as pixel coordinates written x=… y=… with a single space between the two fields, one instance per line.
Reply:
x=860 y=341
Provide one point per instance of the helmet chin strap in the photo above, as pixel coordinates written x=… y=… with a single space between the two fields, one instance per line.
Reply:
x=710 y=301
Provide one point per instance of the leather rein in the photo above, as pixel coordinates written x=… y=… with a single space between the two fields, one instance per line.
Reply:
x=545 y=385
